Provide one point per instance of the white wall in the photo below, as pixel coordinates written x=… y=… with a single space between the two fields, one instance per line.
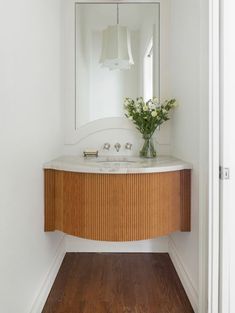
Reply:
x=74 y=244
x=30 y=134
x=189 y=82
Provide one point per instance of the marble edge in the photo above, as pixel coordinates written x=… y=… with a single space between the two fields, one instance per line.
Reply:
x=119 y=170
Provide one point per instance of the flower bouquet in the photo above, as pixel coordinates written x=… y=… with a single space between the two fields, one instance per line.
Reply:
x=147 y=116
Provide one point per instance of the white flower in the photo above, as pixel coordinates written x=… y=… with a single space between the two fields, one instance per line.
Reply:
x=152 y=106
x=155 y=100
x=137 y=105
x=154 y=113
x=126 y=112
x=140 y=100
x=127 y=101
x=145 y=108
x=164 y=111
x=130 y=118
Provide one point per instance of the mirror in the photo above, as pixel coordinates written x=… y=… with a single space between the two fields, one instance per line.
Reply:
x=100 y=91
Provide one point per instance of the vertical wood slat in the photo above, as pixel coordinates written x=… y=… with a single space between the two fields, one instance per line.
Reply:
x=49 y=200
x=185 y=198
x=59 y=190
x=117 y=207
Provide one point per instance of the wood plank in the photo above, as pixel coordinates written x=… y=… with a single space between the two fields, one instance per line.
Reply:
x=117 y=283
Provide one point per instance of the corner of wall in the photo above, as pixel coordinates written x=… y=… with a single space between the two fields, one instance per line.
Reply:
x=49 y=279
x=183 y=274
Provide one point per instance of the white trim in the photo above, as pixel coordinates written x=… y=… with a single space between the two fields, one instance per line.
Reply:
x=204 y=158
x=100 y=125
x=187 y=283
x=227 y=64
x=45 y=289
x=214 y=148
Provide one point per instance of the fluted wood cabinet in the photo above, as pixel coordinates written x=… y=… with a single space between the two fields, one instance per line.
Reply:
x=117 y=207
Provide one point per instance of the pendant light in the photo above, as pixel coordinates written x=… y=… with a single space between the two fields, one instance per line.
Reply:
x=116 y=47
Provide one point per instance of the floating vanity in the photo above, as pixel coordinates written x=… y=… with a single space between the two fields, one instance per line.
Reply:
x=117 y=199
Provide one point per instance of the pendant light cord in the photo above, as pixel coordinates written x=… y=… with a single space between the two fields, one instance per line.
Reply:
x=117 y=13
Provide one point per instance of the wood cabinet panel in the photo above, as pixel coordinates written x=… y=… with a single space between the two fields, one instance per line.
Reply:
x=117 y=207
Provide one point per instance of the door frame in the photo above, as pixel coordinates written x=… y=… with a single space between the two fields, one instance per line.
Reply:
x=227 y=153
x=214 y=159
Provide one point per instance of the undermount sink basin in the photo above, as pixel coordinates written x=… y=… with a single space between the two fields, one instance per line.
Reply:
x=115 y=161
x=119 y=163
x=122 y=160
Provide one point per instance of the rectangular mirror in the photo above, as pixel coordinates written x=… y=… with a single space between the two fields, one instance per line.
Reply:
x=117 y=56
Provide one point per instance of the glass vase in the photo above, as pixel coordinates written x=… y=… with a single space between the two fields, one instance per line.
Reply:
x=148 y=150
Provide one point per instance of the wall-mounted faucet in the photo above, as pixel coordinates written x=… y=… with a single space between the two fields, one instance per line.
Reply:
x=117 y=146
x=128 y=146
x=106 y=146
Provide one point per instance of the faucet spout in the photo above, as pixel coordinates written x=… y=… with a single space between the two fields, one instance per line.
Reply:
x=117 y=146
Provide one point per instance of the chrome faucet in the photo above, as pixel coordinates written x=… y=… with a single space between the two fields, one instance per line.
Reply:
x=106 y=146
x=128 y=146
x=117 y=146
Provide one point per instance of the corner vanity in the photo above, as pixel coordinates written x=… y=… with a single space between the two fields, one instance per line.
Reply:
x=117 y=198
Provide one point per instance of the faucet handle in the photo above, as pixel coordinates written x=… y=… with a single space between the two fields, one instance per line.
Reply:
x=128 y=146
x=117 y=146
x=106 y=146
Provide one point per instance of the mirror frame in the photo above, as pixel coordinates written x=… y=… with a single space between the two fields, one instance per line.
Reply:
x=73 y=134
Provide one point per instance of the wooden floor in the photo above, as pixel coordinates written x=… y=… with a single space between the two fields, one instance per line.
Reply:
x=117 y=283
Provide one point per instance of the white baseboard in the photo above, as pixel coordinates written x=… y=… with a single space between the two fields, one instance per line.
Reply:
x=74 y=244
x=50 y=278
x=183 y=275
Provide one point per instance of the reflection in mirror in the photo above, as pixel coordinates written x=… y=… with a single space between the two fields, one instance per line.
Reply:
x=100 y=92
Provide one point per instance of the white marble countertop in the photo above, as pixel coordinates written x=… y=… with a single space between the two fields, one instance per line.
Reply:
x=117 y=165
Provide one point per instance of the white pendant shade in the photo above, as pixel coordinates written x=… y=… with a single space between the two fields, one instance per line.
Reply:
x=116 y=48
